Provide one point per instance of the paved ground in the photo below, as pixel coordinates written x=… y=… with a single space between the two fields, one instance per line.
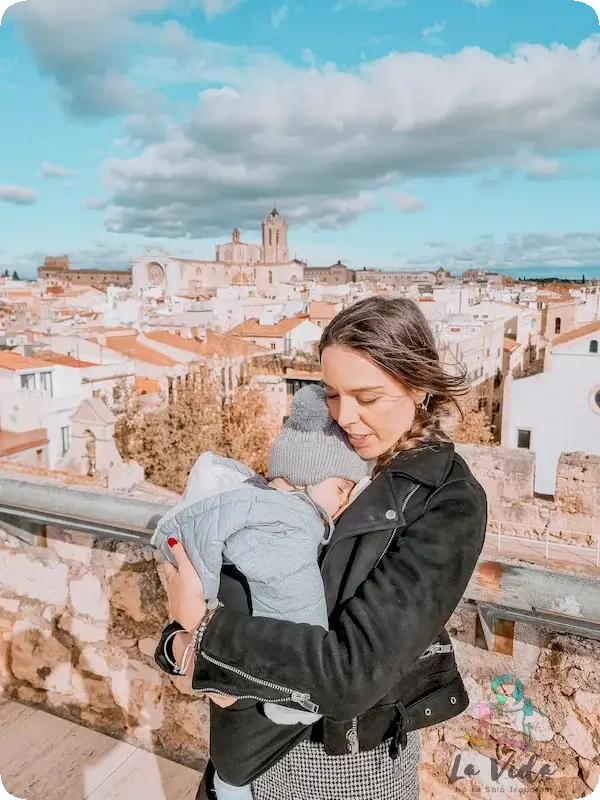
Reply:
x=43 y=757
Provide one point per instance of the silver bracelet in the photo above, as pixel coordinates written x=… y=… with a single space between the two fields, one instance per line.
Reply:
x=213 y=606
x=185 y=659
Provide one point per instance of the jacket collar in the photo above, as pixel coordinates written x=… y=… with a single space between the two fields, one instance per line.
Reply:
x=428 y=464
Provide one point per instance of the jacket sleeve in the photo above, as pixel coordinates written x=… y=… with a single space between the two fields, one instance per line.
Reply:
x=379 y=633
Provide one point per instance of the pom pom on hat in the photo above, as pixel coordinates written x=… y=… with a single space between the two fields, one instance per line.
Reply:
x=308 y=409
x=311 y=446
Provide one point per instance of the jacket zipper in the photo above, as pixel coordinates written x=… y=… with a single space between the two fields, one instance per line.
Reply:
x=404 y=504
x=352 y=734
x=352 y=737
x=302 y=698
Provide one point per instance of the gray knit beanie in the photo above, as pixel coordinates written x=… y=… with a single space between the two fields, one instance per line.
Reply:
x=311 y=446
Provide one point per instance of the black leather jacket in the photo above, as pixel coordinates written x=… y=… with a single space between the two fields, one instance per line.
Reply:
x=394 y=572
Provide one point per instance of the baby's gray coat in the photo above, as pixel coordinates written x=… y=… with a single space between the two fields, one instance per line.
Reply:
x=271 y=536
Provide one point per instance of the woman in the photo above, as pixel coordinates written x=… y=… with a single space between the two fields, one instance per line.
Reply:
x=396 y=568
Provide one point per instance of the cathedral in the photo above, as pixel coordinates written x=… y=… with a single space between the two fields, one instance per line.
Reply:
x=236 y=262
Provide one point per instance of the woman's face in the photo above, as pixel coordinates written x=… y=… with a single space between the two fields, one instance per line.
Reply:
x=374 y=411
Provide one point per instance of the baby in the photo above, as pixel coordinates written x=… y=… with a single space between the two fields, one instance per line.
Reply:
x=271 y=529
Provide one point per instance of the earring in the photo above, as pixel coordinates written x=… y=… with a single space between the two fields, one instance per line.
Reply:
x=423 y=405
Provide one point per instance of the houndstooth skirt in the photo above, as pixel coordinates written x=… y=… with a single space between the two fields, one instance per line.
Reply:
x=308 y=773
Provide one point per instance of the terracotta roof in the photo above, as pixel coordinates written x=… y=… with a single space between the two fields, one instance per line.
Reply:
x=510 y=346
x=175 y=340
x=223 y=345
x=129 y=346
x=15 y=361
x=147 y=386
x=252 y=327
x=578 y=333
x=11 y=443
x=63 y=360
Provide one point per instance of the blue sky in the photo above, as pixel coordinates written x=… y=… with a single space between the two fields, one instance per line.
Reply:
x=389 y=132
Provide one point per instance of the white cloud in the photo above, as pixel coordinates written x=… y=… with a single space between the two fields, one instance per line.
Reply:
x=279 y=15
x=433 y=34
x=322 y=140
x=537 y=167
x=48 y=170
x=89 y=48
x=576 y=249
x=480 y=3
x=97 y=203
x=407 y=203
x=17 y=195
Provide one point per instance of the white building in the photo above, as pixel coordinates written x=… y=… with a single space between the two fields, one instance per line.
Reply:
x=558 y=410
x=263 y=266
x=36 y=395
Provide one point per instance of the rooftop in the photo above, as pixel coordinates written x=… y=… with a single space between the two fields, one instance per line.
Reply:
x=62 y=360
x=16 y=362
x=510 y=346
x=578 y=333
x=176 y=341
x=129 y=346
x=11 y=443
x=224 y=345
x=252 y=327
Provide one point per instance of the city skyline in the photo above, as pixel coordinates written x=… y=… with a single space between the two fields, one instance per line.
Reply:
x=389 y=133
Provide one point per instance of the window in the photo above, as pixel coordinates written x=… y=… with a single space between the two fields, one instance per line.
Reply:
x=595 y=399
x=46 y=382
x=270 y=277
x=39 y=454
x=273 y=345
x=557 y=325
x=594 y=346
x=523 y=439
x=64 y=439
x=28 y=381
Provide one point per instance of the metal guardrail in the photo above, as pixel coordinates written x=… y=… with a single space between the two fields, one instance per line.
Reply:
x=111 y=516
x=560 y=601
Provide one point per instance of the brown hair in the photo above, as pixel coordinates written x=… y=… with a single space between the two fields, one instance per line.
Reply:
x=394 y=334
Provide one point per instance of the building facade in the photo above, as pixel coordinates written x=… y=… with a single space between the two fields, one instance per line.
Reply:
x=236 y=263
x=558 y=410
x=57 y=269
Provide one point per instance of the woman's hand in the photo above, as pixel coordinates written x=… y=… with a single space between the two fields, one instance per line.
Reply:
x=187 y=605
x=185 y=592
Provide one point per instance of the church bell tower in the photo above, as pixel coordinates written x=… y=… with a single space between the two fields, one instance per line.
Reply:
x=275 y=239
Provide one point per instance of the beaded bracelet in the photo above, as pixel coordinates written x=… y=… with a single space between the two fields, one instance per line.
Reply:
x=194 y=645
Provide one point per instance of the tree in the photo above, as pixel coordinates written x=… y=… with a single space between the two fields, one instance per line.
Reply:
x=196 y=418
x=474 y=428
x=15 y=276
x=5 y=274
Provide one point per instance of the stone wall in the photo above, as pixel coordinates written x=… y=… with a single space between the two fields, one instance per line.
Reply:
x=79 y=620
x=571 y=517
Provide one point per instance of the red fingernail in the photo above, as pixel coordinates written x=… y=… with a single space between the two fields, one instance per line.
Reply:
x=172 y=542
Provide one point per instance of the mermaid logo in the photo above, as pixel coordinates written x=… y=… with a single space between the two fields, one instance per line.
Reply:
x=506 y=698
